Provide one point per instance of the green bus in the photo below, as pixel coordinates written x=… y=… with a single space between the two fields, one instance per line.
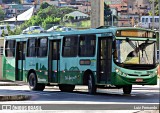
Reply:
x=110 y=57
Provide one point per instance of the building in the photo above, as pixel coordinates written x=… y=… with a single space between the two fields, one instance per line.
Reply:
x=84 y=9
x=63 y=4
x=21 y=17
x=129 y=11
x=12 y=10
x=75 y=16
x=48 y=1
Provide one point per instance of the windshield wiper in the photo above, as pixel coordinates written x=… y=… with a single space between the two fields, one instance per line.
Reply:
x=131 y=43
x=145 y=44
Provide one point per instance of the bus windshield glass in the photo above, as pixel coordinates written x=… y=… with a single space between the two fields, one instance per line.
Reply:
x=134 y=52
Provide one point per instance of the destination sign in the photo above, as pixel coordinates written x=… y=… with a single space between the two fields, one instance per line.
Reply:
x=135 y=33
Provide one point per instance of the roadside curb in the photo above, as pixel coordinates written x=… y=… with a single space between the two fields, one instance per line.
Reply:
x=14 y=98
x=2 y=83
x=10 y=85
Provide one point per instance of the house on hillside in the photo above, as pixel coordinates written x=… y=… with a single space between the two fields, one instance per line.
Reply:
x=75 y=16
x=12 y=10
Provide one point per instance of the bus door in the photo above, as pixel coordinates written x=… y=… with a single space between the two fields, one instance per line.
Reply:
x=20 y=60
x=104 y=63
x=53 y=60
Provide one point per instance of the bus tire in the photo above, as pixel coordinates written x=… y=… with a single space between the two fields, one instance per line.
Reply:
x=91 y=85
x=127 y=89
x=33 y=84
x=41 y=86
x=66 y=87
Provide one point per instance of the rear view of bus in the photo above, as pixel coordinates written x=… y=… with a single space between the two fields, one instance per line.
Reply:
x=134 y=58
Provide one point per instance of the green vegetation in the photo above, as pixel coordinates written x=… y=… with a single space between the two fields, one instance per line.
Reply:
x=3 y=34
x=108 y=15
x=156 y=8
x=81 y=25
x=48 y=16
x=10 y=32
x=44 y=5
x=1 y=14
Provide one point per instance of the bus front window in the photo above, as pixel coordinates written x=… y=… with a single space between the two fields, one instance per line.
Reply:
x=134 y=52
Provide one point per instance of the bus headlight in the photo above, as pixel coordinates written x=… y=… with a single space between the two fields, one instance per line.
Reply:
x=118 y=71
x=156 y=72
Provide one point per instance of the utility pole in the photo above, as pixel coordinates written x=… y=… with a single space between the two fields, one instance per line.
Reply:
x=16 y=16
x=112 y=18
x=97 y=13
x=87 y=12
x=153 y=15
x=159 y=30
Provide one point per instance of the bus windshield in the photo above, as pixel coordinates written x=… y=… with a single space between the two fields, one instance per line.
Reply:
x=135 y=52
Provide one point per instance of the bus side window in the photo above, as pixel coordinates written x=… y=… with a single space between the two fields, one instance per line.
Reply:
x=42 y=47
x=87 y=45
x=31 y=52
x=55 y=49
x=10 y=48
x=70 y=44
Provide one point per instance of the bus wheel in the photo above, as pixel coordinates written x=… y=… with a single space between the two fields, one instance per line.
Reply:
x=91 y=85
x=66 y=87
x=41 y=86
x=33 y=85
x=127 y=89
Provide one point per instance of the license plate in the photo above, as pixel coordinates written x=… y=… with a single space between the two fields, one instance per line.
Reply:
x=139 y=80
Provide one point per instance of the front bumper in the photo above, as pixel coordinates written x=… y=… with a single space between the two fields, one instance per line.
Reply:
x=127 y=80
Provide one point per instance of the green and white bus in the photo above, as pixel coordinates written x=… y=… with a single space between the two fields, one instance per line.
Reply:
x=100 y=58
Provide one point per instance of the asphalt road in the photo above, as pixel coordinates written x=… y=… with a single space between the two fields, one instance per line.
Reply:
x=105 y=99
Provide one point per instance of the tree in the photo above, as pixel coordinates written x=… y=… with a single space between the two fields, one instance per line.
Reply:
x=49 y=22
x=44 y=5
x=156 y=8
x=47 y=17
x=107 y=13
x=10 y=32
x=71 y=18
x=2 y=15
x=3 y=34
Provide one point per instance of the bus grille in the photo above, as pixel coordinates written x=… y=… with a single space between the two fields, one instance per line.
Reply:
x=132 y=75
x=137 y=75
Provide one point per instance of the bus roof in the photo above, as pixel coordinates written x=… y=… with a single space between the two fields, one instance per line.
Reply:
x=60 y=33
x=123 y=28
x=99 y=30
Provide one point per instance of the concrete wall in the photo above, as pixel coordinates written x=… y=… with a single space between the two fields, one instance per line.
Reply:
x=97 y=13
